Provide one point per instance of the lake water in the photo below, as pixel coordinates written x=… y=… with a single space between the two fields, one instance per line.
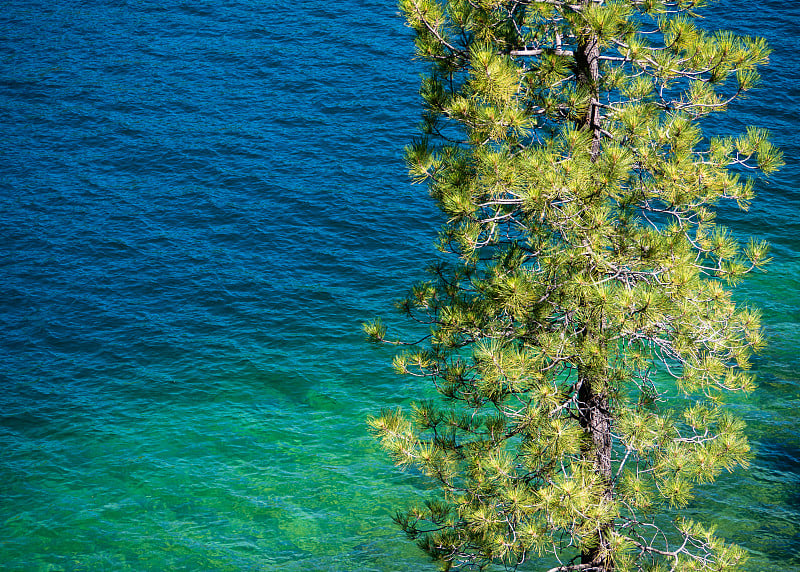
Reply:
x=200 y=204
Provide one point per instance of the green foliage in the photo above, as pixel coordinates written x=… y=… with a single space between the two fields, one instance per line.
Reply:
x=562 y=143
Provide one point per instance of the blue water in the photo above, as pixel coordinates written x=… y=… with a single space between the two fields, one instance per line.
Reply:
x=200 y=204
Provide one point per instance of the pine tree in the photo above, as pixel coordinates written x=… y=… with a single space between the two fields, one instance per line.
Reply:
x=583 y=334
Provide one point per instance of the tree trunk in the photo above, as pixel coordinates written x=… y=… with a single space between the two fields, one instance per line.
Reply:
x=595 y=418
x=594 y=407
x=587 y=59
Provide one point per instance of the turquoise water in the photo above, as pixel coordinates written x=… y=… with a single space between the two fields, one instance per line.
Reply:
x=201 y=202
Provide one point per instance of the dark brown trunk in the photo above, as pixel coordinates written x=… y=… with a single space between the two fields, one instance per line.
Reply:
x=587 y=59
x=595 y=418
x=594 y=404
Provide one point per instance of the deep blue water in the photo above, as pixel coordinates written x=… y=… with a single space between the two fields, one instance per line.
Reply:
x=200 y=204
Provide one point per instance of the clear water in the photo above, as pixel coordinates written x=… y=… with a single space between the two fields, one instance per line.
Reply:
x=200 y=203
